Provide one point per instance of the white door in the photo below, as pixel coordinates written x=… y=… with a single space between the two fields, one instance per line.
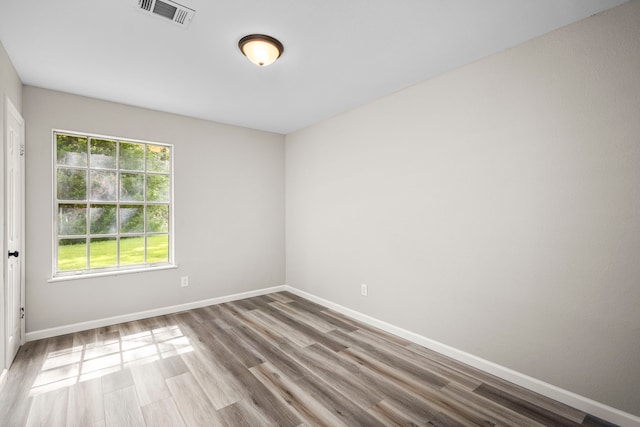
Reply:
x=14 y=191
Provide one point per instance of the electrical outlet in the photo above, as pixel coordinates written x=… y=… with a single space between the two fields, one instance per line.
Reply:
x=364 y=290
x=184 y=281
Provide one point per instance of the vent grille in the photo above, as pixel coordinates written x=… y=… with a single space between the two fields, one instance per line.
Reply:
x=167 y=9
x=181 y=16
x=145 y=4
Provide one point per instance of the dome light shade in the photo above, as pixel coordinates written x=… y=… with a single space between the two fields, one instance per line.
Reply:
x=260 y=49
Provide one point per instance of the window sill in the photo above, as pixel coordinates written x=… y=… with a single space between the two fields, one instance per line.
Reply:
x=80 y=276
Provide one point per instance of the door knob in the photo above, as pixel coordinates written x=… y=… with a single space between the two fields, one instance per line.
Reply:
x=14 y=253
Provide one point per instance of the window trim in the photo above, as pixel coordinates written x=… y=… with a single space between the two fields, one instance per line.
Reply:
x=108 y=271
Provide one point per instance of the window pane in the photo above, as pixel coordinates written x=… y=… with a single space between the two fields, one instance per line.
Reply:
x=110 y=195
x=72 y=220
x=132 y=187
x=158 y=248
x=131 y=156
x=131 y=219
x=157 y=219
x=72 y=184
x=158 y=159
x=131 y=250
x=103 y=153
x=103 y=252
x=103 y=186
x=72 y=254
x=103 y=219
x=71 y=150
x=158 y=188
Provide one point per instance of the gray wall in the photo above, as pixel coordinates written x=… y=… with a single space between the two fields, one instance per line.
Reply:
x=229 y=211
x=10 y=86
x=495 y=209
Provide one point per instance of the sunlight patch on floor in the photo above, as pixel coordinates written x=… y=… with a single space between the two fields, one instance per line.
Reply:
x=66 y=367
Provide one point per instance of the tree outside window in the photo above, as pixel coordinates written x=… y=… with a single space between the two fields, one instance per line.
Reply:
x=113 y=204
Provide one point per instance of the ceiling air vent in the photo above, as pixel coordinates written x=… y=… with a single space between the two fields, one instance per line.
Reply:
x=168 y=9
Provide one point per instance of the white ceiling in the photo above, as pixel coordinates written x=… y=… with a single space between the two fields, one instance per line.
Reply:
x=338 y=53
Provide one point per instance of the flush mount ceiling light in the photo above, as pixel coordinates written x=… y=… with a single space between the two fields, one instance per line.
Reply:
x=260 y=49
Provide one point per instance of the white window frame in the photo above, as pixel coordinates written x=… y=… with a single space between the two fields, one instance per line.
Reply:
x=107 y=271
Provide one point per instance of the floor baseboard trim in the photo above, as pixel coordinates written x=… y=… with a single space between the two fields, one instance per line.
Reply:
x=3 y=378
x=99 y=323
x=577 y=401
x=582 y=403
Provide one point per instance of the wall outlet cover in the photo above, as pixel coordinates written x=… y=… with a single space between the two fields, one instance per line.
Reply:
x=364 y=290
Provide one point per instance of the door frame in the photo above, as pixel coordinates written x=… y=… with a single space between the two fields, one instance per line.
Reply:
x=10 y=109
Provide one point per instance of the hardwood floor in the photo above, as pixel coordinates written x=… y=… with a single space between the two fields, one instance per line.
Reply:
x=273 y=360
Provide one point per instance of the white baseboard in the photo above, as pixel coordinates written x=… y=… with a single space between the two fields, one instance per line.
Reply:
x=99 y=323
x=3 y=378
x=574 y=400
x=581 y=403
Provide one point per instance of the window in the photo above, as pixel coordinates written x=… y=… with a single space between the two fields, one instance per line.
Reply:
x=113 y=204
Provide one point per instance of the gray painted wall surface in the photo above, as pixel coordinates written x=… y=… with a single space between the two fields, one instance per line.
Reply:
x=495 y=209
x=229 y=210
x=10 y=86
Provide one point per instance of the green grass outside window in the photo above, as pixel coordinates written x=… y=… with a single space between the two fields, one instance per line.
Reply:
x=103 y=254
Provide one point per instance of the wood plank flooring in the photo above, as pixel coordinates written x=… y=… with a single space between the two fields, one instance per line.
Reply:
x=273 y=360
